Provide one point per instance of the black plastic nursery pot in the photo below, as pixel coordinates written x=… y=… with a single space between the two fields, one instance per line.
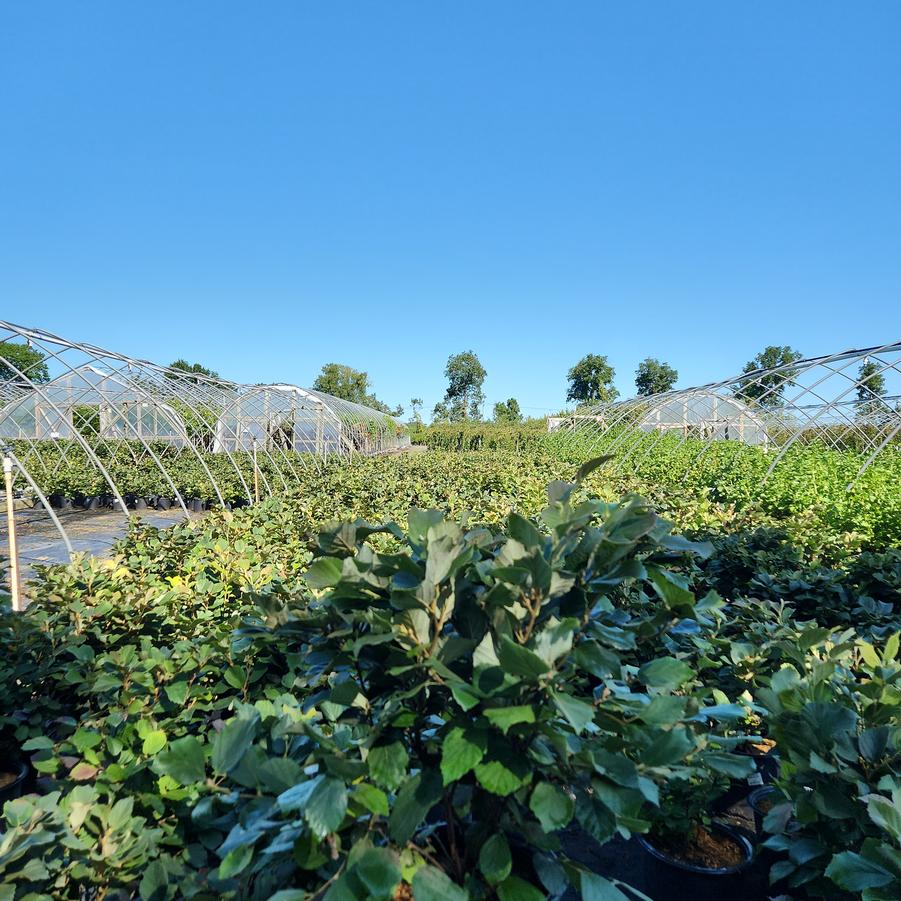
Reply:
x=13 y=775
x=140 y=503
x=669 y=879
x=760 y=801
x=738 y=790
x=163 y=503
x=195 y=505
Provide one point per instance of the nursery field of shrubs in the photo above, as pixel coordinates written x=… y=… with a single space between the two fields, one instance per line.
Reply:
x=453 y=674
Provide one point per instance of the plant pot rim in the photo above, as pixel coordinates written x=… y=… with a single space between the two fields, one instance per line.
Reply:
x=17 y=767
x=761 y=791
x=746 y=847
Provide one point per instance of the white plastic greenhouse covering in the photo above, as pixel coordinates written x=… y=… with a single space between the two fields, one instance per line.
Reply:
x=90 y=427
x=828 y=399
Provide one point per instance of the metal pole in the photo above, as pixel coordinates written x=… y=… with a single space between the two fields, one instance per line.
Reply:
x=11 y=525
x=256 y=471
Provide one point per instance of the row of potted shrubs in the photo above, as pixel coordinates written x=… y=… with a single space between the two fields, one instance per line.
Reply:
x=432 y=708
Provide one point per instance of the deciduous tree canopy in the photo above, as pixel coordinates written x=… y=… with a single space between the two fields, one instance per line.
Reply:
x=591 y=380
x=767 y=390
x=464 y=397
x=507 y=411
x=654 y=377
x=20 y=358
x=351 y=385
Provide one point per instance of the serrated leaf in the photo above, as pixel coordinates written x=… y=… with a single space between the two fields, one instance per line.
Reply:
x=464 y=695
x=372 y=798
x=520 y=661
x=81 y=772
x=325 y=809
x=668 y=748
x=278 y=774
x=671 y=587
x=388 y=764
x=230 y=745
x=324 y=572
x=84 y=739
x=885 y=814
x=183 y=760
x=665 y=673
x=235 y=676
x=495 y=860
x=461 y=750
x=514 y=888
x=153 y=742
x=552 y=806
x=154 y=882
x=736 y=766
x=235 y=861
x=504 y=773
x=505 y=717
x=579 y=714
x=379 y=870
x=854 y=873
x=596 y=888
x=415 y=799
x=430 y=884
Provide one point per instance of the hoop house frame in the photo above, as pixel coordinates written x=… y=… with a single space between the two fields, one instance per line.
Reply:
x=95 y=428
x=820 y=399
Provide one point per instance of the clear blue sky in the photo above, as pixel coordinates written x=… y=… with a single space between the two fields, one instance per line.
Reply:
x=266 y=187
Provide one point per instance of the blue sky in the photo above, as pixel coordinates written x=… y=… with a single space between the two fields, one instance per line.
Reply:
x=270 y=187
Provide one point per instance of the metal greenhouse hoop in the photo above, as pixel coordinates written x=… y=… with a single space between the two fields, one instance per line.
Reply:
x=93 y=427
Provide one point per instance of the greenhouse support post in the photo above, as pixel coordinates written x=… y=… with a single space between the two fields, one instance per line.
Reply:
x=11 y=526
x=256 y=472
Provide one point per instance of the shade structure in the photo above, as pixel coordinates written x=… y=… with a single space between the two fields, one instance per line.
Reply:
x=848 y=401
x=91 y=427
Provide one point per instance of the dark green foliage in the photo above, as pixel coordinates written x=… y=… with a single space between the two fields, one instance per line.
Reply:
x=870 y=405
x=23 y=364
x=351 y=385
x=591 y=381
x=654 y=377
x=767 y=390
x=183 y=366
x=508 y=411
x=242 y=706
x=464 y=396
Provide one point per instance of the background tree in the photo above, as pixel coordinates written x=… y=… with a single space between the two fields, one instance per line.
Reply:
x=508 y=412
x=654 y=377
x=465 y=376
x=28 y=360
x=192 y=369
x=351 y=385
x=766 y=390
x=343 y=381
x=416 y=408
x=870 y=391
x=440 y=413
x=591 y=381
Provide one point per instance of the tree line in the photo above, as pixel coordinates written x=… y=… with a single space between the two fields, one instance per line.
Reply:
x=590 y=381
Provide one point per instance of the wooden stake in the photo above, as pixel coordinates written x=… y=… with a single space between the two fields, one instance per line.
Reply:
x=11 y=525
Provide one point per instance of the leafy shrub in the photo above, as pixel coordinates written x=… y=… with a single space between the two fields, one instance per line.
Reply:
x=436 y=713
